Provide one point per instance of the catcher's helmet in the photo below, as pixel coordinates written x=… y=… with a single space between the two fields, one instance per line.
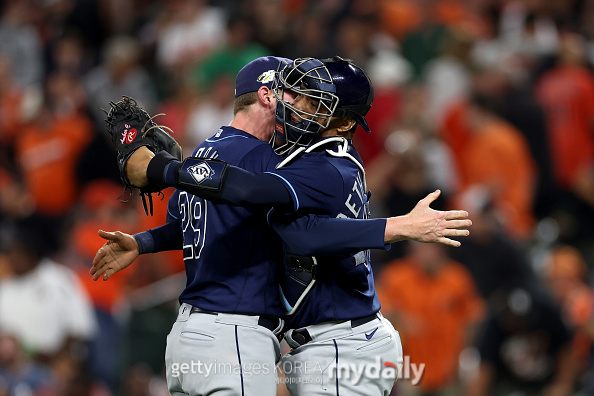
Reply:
x=340 y=89
x=353 y=88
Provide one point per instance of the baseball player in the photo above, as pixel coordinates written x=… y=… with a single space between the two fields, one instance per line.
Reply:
x=332 y=307
x=224 y=337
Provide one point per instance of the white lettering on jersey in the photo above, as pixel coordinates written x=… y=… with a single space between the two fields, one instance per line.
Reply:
x=202 y=153
x=358 y=189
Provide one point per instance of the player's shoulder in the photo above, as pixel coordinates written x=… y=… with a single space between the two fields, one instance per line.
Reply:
x=315 y=162
x=259 y=157
x=234 y=146
x=228 y=134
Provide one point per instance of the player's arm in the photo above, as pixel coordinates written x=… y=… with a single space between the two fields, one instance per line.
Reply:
x=313 y=235
x=210 y=179
x=232 y=185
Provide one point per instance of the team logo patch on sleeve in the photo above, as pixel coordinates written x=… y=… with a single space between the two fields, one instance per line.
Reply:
x=201 y=172
x=205 y=173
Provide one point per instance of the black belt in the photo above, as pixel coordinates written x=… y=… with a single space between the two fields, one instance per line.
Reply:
x=269 y=322
x=302 y=337
x=302 y=263
x=312 y=264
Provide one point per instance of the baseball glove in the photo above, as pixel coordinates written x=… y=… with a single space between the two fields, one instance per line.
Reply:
x=131 y=127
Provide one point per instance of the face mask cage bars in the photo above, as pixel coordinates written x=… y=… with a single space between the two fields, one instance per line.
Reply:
x=310 y=84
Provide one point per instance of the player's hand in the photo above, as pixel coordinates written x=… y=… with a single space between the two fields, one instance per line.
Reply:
x=137 y=165
x=424 y=224
x=119 y=252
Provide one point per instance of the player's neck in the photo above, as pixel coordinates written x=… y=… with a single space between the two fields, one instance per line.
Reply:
x=335 y=132
x=254 y=123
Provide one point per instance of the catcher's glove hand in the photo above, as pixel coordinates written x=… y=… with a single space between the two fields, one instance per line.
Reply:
x=131 y=127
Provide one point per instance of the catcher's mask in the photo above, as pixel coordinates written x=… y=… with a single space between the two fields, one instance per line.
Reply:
x=308 y=77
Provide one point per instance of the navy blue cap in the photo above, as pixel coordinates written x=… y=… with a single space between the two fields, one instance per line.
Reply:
x=258 y=72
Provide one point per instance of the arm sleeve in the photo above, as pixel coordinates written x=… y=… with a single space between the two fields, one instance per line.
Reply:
x=312 y=235
x=165 y=237
x=230 y=185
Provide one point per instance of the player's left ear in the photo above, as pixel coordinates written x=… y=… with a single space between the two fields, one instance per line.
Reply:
x=345 y=124
x=265 y=96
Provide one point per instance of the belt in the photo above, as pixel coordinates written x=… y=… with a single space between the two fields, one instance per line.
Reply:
x=302 y=336
x=311 y=264
x=302 y=263
x=269 y=322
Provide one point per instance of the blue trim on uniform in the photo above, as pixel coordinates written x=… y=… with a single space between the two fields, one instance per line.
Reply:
x=239 y=359
x=292 y=190
x=226 y=137
x=284 y=300
x=268 y=214
x=171 y=214
x=336 y=349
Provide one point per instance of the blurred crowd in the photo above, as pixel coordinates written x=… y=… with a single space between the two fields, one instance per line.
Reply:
x=491 y=101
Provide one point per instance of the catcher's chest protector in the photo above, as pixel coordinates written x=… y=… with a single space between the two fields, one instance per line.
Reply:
x=299 y=274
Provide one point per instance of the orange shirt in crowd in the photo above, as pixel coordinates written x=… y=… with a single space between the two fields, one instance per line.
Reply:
x=48 y=157
x=400 y=17
x=499 y=158
x=101 y=210
x=455 y=132
x=567 y=95
x=10 y=115
x=437 y=309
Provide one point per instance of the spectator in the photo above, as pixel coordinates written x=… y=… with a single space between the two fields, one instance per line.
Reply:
x=191 y=29
x=565 y=276
x=388 y=72
x=18 y=374
x=215 y=77
x=422 y=45
x=567 y=94
x=525 y=348
x=11 y=101
x=21 y=44
x=48 y=149
x=434 y=301
x=42 y=304
x=228 y=59
x=119 y=74
x=207 y=116
x=497 y=158
x=493 y=258
x=448 y=77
